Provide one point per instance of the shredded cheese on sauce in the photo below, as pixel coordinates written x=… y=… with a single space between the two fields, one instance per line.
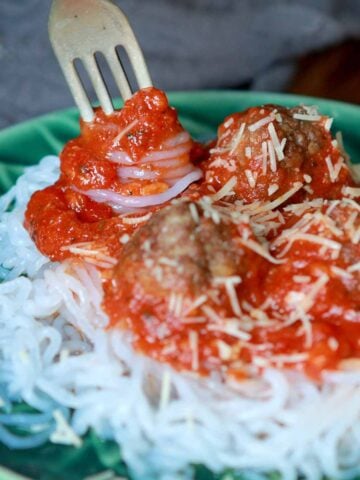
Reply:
x=258 y=207
x=353 y=192
x=307 y=237
x=307 y=117
x=274 y=187
x=230 y=283
x=260 y=123
x=275 y=141
x=226 y=190
x=195 y=304
x=251 y=177
x=135 y=220
x=354 y=268
x=272 y=157
x=328 y=124
x=228 y=122
x=237 y=139
x=230 y=329
x=264 y=154
x=334 y=170
x=260 y=250
x=194 y=212
x=92 y=253
x=302 y=303
x=194 y=347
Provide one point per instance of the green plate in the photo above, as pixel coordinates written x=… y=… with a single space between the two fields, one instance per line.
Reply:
x=26 y=143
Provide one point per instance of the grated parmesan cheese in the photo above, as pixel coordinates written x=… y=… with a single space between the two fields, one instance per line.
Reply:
x=308 y=237
x=225 y=190
x=225 y=350
x=352 y=192
x=168 y=261
x=195 y=304
x=135 y=220
x=275 y=141
x=248 y=152
x=272 y=157
x=124 y=238
x=91 y=253
x=307 y=117
x=194 y=212
x=301 y=278
x=350 y=364
x=258 y=207
x=333 y=344
x=228 y=122
x=232 y=330
x=328 y=123
x=340 y=272
x=334 y=170
x=260 y=123
x=251 y=177
x=264 y=154
x=63 y=433
x=230 y=283
x=194 y=347
x=354 y=268
x=260 y=250
x=211 y=314
x=237 y=139
x=274 y=187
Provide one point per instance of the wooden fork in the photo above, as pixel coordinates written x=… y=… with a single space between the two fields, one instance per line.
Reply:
x=80 y=28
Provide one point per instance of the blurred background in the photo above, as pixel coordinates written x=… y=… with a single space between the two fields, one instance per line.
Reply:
x=309 y=47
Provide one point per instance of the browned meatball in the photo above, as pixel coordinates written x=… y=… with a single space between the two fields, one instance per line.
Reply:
x=183 y=249
x=177 y=282
x=178 y=250
x=271 y=150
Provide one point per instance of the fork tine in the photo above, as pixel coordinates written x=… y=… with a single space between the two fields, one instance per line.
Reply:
x=138 y=64
x=118 y=74
x=128 y=40
x=78 y=91
x=99 y=85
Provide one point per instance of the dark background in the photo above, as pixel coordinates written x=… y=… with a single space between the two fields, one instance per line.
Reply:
x=308 y=46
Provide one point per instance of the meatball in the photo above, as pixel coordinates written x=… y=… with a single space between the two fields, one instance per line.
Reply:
x=178 y=279
x=319 y=278
x=272 y=149
x=178 y=250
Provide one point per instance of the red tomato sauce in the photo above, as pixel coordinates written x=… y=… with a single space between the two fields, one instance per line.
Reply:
x=296 y=306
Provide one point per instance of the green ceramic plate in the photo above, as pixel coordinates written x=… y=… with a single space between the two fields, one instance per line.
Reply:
x=25 y=144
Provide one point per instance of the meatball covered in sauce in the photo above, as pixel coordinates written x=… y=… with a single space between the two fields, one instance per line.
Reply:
x=271 y=149
x=315 y=291
x=174 y=278
x=319 y=245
